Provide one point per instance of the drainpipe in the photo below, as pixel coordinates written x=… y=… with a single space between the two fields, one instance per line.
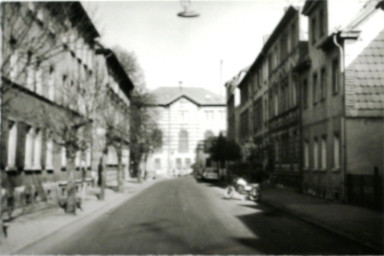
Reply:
x=343 y=116
x=301 y=138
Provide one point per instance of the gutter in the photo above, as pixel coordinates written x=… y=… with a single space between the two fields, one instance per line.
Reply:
x=343 y=132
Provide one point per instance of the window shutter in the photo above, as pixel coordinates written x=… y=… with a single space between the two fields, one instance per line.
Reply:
x=43 y=148
x=20 y=151
x=3 y=147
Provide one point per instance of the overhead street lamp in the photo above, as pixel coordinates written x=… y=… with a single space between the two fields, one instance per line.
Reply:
x=187 y=13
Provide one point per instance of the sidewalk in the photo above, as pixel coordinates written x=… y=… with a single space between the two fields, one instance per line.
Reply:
x=31 y=228
x=360 y=224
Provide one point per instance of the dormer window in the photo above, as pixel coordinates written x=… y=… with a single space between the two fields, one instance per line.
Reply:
x=313 y=30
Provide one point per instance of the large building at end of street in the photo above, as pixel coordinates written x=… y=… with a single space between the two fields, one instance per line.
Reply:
x=187 y=115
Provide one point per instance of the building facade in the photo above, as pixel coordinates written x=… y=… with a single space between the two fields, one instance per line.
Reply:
x=186 y=115
x=313 y=102
x=49 y=68
x=269 y=111
x=342 y=95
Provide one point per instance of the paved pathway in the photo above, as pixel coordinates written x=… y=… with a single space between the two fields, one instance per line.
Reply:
x=30 y=228
x=181 y=216
x=360 y=224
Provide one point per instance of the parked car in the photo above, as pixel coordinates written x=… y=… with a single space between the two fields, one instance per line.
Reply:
x=211 y=173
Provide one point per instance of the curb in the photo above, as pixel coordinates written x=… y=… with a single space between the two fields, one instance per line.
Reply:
x=103 y=208
x=324 y=226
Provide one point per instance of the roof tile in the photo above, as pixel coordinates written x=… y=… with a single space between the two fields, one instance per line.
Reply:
x=366 y=76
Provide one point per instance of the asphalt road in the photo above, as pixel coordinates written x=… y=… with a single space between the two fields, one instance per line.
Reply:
x=182 y=216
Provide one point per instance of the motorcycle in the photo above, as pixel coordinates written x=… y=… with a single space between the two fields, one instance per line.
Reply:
x=251 y=191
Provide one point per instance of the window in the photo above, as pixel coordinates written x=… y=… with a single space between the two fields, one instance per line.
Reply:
x=293 y=36
x=275 y=57
x=321 y=22
x=183 y=141
x=178 y=163
x=28 y=157
x=88 y=157
x=283 y=46
x=30 y=77
x=49 y=155
x=306 y=155
x=187 y=163
x=323 y=153
x=276 y=102
x=255 y=82
x=63 y=157
x=277 y=151
x=294 y=94
x=244 y=124
x=37 y=149
x=313 y=30
x=78 y=158
x=243 y=94
x=289 y=43
x=64 y=89
x=209 y=115
x=157 y=163
x=183 y=115
x=222 y=114
x=323 y=85
x=257 y=115
x=315 y=89
x=336 y=151
x=305 y=93
x=265 y=110
x=315 y=154
x=51 y=84
x=335 y=76
x=39 y=80
x=12 y=144
x=270 y=65
x=14 y=65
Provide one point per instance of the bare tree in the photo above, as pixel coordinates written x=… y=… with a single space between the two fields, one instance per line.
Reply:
x=116 y=120
x=35 y=36
x=82 y=99
x=47 y=51
x=145 y=136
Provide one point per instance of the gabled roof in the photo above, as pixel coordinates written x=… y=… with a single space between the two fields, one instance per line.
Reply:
x=165 y=96
x=365 y=81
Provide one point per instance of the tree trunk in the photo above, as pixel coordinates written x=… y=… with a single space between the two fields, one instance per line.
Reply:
x=70 y=206
x=120 y=187
x=3 y=227
x=102 y=176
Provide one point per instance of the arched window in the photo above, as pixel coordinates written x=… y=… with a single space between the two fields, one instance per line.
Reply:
x=183 y=141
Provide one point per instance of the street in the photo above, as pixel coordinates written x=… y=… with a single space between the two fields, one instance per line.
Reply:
x=182 y=216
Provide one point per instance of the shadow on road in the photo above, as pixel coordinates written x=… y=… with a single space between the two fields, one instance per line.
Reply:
x=287 y=235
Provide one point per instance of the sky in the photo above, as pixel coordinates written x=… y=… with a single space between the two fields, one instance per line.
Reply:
x=204 y=52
